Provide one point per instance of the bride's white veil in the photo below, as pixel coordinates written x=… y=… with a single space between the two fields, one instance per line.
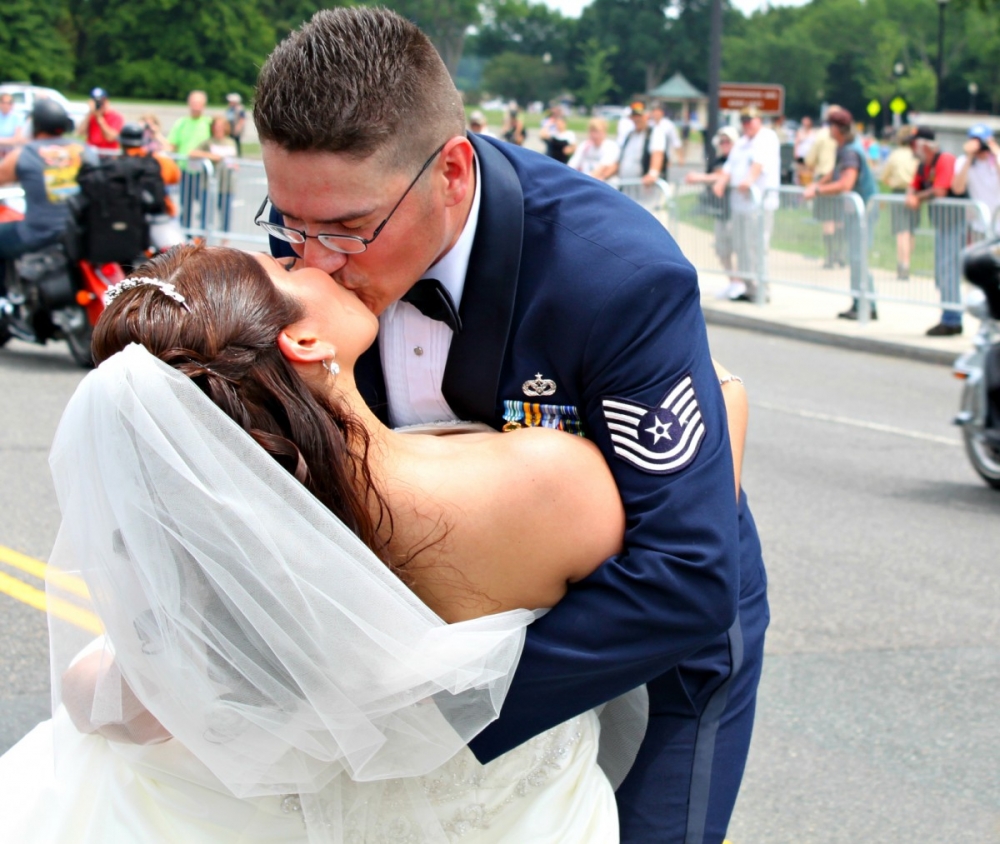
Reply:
x=249 y=620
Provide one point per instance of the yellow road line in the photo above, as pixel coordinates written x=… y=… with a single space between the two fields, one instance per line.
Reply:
x=35 y=568
x=59 y=608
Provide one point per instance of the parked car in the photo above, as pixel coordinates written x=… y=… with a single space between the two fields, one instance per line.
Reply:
x=25 y=94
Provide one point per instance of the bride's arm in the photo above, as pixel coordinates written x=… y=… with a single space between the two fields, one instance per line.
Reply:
x=737 y=411
x=80 y=686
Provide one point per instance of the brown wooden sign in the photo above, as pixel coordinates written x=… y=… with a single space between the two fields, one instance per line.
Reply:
x=770 y=99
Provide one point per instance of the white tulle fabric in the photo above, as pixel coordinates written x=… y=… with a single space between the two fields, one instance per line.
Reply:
x=266 y=638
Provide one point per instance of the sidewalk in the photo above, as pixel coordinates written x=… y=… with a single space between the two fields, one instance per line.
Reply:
x=812 y=315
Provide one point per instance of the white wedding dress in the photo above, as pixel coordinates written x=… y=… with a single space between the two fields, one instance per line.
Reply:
x=310 y=695
x=548 y=790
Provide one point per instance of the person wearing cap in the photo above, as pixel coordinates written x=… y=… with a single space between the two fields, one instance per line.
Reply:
x=851 y=174
x=477 y=124
x=236 y=116
x=897 y=175
x=722 y=143
x=103 y=123
x=598 y=155
x=755 y=162
x=977 y=172
x=644 y=151
x=935 y=175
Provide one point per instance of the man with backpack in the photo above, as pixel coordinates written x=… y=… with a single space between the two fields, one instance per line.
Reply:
x=851 y=174
x=118 y=197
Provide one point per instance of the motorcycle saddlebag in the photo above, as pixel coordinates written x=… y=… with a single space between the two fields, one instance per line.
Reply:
x=47 y=270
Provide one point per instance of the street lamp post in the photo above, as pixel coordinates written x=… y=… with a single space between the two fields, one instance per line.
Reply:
x=973 y=90
x=940 y=55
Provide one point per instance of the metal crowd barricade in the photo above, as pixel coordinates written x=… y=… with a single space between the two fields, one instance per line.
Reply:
x=236 y=191
x=217 y=202
x=655 y=198
x=934 y=235
x=720 y=235
x=819 y=244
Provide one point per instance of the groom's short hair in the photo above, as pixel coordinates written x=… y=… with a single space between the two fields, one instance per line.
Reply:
x=358 y=81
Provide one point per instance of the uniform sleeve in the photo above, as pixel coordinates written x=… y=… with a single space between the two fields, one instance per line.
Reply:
x=653 y=406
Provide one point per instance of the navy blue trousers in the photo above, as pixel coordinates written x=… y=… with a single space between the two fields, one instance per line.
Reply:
x=684 y=784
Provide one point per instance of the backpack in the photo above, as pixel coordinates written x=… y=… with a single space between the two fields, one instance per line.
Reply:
x=109 y=214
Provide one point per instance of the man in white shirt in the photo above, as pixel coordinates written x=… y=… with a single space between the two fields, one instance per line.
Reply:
x=754 y=171
x=672 y=137
x=644 y=150
x=598 y=155
x=978 y=171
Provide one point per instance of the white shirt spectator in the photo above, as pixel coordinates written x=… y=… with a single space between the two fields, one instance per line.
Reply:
x=983 y=182
x=589 y=156
x=670 y=133
x=764 y=149
x=632 y=152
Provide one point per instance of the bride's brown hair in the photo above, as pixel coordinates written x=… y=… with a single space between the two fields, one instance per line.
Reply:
x=225 y=340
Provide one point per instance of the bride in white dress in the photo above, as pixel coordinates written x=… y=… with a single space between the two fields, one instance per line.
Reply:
x=296 y=658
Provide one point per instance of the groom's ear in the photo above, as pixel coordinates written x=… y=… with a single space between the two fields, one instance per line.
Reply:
x=298 y=345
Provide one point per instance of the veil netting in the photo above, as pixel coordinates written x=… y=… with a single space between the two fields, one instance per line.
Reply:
x=250 y=621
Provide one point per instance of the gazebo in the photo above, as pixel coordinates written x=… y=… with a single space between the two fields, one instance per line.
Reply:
x=678 y=90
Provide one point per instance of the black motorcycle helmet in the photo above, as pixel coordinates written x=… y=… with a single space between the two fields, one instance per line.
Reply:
x=50 y=118
x=131 y=136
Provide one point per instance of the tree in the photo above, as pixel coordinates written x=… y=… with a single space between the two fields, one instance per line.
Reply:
x=523 y=78
x=520 y=26
x=594 y=68
x=639 y=29
x=166 y=48
x=36 y=43
x=445 y=22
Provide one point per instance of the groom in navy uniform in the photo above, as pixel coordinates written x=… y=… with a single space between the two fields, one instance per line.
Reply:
x=514 y=291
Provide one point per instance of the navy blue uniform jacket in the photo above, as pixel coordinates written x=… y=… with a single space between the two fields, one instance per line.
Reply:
x=570 y=280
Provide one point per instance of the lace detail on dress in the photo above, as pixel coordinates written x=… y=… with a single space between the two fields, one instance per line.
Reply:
x=507 y=779
x=459 y=798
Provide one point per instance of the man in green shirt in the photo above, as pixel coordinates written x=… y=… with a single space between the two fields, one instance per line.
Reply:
x=185 y=135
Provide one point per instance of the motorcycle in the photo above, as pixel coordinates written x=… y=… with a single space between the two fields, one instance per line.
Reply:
x=979 y=369
x=50 y=297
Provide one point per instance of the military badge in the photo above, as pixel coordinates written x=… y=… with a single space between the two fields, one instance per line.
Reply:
x=525 y=414
x=662 y=439
x=539 y=386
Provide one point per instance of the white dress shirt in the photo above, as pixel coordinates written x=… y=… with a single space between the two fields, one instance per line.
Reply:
x=414 y=348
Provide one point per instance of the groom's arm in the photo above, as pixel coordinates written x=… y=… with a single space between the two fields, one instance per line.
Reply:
x=674 y=588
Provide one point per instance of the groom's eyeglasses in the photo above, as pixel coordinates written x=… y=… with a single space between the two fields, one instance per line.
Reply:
x=351 y=244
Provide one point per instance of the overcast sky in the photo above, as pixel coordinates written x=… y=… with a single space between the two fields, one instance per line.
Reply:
x=572 y=8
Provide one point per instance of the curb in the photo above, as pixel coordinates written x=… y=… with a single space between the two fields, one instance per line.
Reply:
x=872 y=345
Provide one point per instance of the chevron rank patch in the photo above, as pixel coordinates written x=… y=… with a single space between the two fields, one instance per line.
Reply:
x=660 y=440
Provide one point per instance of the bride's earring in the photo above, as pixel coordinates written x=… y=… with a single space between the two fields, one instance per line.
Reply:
x=331 y=366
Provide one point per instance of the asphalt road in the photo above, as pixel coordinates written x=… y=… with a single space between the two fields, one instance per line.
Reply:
x=877 y=718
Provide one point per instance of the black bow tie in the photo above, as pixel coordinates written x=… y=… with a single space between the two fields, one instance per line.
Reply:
x=432 y=300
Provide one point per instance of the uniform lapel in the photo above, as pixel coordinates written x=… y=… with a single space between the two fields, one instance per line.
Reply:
x=371 y=382
x=472 y=374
